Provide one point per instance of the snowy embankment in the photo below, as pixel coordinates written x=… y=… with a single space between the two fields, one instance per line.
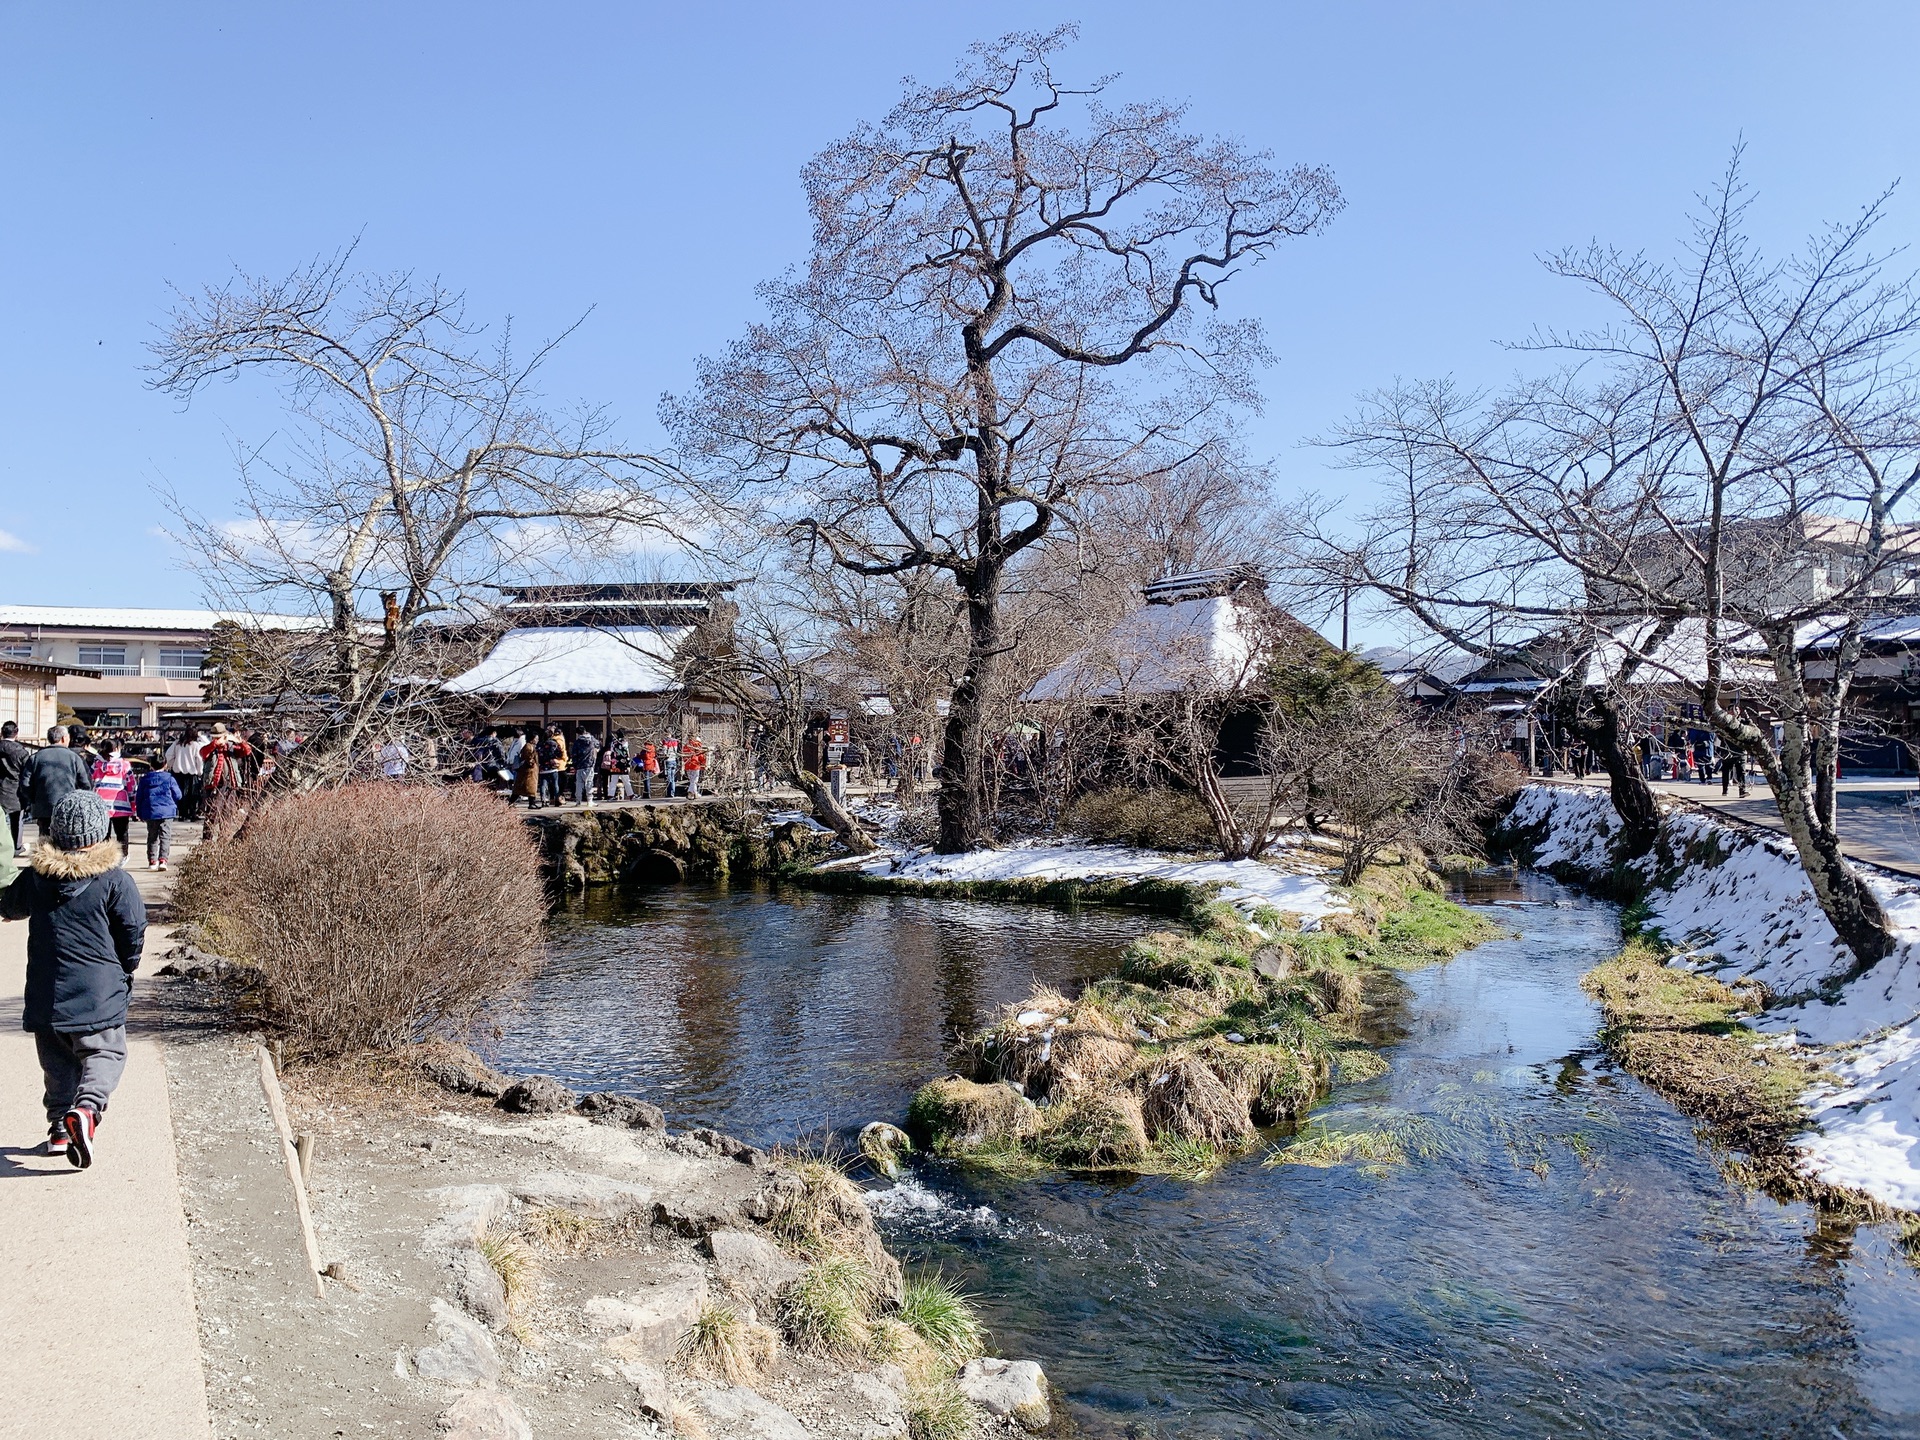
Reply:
x=1737 y=904
x=1244 y=884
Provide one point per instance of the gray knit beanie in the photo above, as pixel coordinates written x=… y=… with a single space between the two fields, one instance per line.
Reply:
x=80 y=820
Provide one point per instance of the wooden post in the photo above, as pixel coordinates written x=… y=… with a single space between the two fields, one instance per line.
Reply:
x=303 y=1147
x=277 y=1105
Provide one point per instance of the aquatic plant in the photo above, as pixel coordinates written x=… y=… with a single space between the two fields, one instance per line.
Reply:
x=1187 y=1159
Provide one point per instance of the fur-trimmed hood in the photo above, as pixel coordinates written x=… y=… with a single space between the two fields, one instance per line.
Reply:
x=57 y=864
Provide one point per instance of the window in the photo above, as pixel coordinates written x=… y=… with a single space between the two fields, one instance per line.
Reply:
x=182 y=662
x=109 y=656
x=16 y=650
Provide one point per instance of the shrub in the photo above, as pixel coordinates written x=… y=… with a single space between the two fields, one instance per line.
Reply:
x=375 y=915
x=1153 y=819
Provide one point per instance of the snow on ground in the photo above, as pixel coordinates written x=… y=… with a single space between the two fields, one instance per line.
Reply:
x=1247 y=884
x=1753 y=914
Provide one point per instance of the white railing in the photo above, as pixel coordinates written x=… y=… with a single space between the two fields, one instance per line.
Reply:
x=149 y=668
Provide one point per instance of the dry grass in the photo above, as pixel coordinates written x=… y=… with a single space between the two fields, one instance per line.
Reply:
x=722 y=1344
x=822 y=1214
x=375 y=916
x=1186 y=1100
x=825 y=1312
x=518 y=1267
x=564 y=1232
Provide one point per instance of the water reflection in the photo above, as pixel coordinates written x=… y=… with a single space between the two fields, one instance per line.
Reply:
x=773 y=1016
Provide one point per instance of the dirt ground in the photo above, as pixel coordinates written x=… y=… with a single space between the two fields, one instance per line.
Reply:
x=285 y=1363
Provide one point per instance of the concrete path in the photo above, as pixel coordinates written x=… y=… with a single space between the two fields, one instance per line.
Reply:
x=96 y=1289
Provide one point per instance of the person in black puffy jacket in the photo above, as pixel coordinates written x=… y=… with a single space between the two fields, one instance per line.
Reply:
x=86 y=925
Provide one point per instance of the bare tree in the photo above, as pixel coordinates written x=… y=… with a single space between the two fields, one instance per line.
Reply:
x=1720 y=474
x=1006 y=311
x=425 y=467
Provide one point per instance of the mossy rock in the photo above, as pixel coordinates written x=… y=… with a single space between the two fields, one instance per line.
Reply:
x=956 y=1115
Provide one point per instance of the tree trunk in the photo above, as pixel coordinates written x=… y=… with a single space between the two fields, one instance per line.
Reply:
x=964 y=757
x=1633 y=797
x=832 y=814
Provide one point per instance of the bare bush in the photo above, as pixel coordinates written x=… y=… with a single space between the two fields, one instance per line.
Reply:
x=1150 y=818
x=375 y=915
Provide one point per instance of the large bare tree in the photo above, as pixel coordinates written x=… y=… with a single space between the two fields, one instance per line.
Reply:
x=423 y=466
x=1010 y=305
x=1719 y=475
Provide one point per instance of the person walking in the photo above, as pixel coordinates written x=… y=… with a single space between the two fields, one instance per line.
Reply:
x=1733 y=766
x=86 y=925
x=226 y=757
x=156 y=800
x=617 y=762
x=649 y=767
x=670 y=763
x=183 y=762
x=14 y=759
x=113 y=782
x=552 y=752
x=55 y=771
x=585 y=757
x=693 y=758
x=394 y=759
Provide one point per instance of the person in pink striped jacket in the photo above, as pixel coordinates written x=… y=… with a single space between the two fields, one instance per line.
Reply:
x=113 y=782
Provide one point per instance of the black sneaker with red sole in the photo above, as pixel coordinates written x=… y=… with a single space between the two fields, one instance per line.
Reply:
x=79 y=1124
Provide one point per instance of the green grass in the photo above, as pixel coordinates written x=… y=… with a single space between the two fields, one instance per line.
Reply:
x=936 y=1410
x=940 y=1314
x=825 y=1310
x=1428 y=928
x=1185 y=1159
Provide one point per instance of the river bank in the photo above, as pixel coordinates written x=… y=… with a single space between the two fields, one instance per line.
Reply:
x=1830 y=1074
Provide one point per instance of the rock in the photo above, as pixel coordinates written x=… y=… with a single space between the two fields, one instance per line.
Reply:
x=469 y=1211
x=464 y=1073
x=883 y=1145
x=465 y=1353
x=774 y=1196
x=959 y=1115
x=754 y=1269
x=726 y=1147
x=699 y=1212
x=478 y=1287
x=647 y=1324
x=651 y=1391
x=485 y=1415
x=739 y=1414
x=878 y=1403
x=537 y=1095
x=1270 y=962
x=597 y=1196
x=1008 y=1389
x=604 y=1107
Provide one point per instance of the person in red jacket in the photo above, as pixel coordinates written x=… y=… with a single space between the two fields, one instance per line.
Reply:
x=226 y=758
x=693 y=759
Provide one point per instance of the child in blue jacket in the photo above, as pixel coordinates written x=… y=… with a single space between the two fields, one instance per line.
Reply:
x=157 y=801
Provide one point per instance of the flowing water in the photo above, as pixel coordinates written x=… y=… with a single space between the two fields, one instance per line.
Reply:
x=1559 y=1256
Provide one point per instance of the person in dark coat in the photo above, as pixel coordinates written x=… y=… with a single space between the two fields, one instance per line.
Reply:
x=54 y=773
x=86 y=925
x=14 y=759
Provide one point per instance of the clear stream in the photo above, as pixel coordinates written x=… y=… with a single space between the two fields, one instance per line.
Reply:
x=1563 y=1259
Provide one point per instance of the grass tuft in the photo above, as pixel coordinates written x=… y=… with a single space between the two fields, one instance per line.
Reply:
x=825 y=1311
x=936 y=1410
x=513 y=1260
x=563 y=1232
x=722 y=1344
x=943 y=1316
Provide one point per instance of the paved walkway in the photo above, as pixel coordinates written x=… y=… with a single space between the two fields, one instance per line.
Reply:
x=98 y=1332
x=1876 y=823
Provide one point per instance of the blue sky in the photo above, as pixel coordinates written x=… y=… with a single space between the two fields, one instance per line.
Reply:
x=642 y=161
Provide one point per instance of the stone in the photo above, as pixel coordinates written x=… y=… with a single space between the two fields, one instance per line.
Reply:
x=960 y=1114
x=465 y=1353
x=464 y=1073
x=754 y=1269
x=537 y=1095
x=598 y=1196
x=478 y=1287
x=604 y=1107
x=651 y=1391
x=879 y=1403
x=1008 y=1389
x=883 y=1145
x=698 y=1212
x=1270 y=962
x=647 y=1324
x=725 y=1146
x=485 y=1415
x=739 y=1414
x=467 y=1213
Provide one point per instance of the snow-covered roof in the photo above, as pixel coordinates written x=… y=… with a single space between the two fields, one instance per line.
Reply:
x=572 y=660
x=1159 y=650
x=88 y=617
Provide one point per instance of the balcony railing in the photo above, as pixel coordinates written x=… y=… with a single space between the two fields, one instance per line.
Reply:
x=151 y=669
